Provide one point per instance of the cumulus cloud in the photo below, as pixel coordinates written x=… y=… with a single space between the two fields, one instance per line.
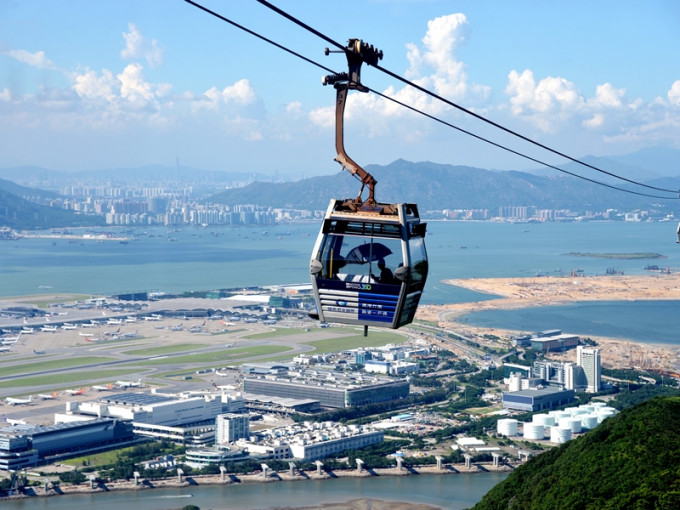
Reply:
x=435 y=64
x=240 y=93
x=674 y=94
x=137 y=47
x=37 y=59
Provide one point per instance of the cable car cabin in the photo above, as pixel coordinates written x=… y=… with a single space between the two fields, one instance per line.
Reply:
x=369 y=268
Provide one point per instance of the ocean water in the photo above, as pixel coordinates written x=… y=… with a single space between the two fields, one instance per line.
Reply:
x=164 y=259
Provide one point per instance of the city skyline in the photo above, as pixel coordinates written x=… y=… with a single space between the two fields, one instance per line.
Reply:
x=169 y=81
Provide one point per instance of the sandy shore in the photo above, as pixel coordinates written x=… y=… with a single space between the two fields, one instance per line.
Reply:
x=546 y=291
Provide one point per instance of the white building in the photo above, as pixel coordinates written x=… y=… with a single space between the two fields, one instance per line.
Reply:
x=231 y=427
x=589 y=360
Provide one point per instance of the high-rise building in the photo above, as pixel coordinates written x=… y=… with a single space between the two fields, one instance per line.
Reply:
x=231 y=427
x=589 y=360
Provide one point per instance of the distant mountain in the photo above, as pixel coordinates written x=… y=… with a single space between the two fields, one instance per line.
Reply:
x=18 y=213
x=629 y=461
x=33 y=176
x=436 y=187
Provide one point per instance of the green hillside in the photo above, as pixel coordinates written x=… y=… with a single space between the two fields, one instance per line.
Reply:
x=630 y=461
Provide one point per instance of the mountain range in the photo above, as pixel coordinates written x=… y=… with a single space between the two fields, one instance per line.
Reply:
x=433 y=186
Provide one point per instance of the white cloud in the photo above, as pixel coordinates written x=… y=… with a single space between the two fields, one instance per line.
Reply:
x=674 y=94
x=137 y=46
x=241 y=93
x=91 y=86
x=37 y=59
x=606 y=96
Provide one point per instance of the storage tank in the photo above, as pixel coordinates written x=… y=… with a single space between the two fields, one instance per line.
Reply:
x=605 y=412
x=559 y=414
x=533 y=431
x=587 y=407
x=573 y=423
x=543 y=419
x=589 y=421
x=560 y=434
x=507 y=427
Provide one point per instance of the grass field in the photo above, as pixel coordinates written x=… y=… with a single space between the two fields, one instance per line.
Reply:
x=56 y=381
x=168 y=349
x=41 y=366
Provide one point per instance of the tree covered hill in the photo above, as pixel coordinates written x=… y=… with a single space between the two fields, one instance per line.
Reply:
x=435 y=186
x=630 y=461
x=15 y=212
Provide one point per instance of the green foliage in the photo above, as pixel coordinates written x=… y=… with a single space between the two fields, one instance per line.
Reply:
x=73 y=477
x=629 y=461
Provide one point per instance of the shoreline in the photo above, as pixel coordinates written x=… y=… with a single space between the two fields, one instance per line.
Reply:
x=545 y=291
x=276 y=477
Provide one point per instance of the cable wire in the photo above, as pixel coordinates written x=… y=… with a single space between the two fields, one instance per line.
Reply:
x=457 y=106
x=432 y=117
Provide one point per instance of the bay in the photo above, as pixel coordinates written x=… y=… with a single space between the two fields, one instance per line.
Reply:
x=187 y=259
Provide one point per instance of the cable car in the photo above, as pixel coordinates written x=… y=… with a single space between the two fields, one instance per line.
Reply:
x=369 y=263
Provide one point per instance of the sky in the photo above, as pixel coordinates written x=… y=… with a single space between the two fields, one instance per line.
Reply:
x=88 y=85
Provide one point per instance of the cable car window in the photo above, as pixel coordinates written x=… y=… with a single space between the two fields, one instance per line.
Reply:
x=360 y=259
x=418 y=259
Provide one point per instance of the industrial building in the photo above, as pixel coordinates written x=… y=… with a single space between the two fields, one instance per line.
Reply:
x=537 y=399
x=556 y=343
x=331 y=389
x=185 y=421
x=23 y=446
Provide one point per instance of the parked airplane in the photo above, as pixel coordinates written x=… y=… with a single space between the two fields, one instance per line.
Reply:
x=90 y=324
x=108 y=387
x=226 y=323
x=153 y=317
x=18 y=401
x=27 y=331
x=49 y=329
x=92 y=339
x=38 y=352
x=76 y=392
x=129 y=384
x=114 y=322
x=6 y=340
x=13 y=422
x=131 y=319
x=131 y=334
x=50 y=396
x=177 y=327
x=112 y=333
x=4 y=348
x=68 y=326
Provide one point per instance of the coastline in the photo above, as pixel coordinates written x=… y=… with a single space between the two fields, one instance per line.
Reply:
x=210 y=480
x=543 y=291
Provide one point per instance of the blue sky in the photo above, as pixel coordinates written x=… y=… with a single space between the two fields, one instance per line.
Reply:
x=107 y=84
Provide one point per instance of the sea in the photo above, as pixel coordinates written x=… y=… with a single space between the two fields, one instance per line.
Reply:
x=186 y=259
x=451 y=491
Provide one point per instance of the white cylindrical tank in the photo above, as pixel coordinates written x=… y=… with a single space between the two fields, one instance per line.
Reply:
x=507 y=427
x=589 y=421
x=597 y=405
x=534 y=431
x=573 y=423
x=605 y=412
x=560 y=434
x=559 y=414
x=543 y=419
x=587 y=407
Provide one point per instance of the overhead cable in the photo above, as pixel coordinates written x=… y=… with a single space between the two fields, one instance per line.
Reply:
x=432 y=117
